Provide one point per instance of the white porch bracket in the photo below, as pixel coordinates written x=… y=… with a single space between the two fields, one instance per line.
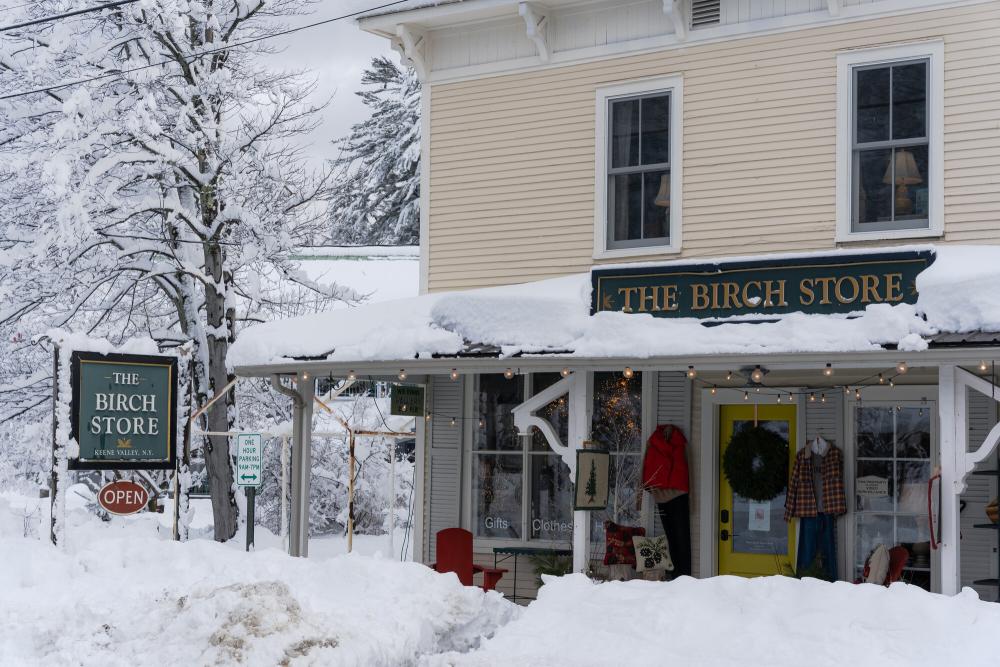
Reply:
x=411 y=44
x=575 y=388
x=674 y=9
x=956 y=461
x=536 y=23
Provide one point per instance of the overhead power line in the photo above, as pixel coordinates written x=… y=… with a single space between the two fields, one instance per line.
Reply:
x=75 y=12
x=194 y=56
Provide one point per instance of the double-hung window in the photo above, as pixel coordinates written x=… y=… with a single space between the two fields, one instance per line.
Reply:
x=889 y=145
x=638 y=168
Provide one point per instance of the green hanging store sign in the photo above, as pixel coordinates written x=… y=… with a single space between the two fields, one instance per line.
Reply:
x=124 y=411
x=822 y=285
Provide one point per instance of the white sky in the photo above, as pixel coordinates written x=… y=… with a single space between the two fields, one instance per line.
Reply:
x=336 y=53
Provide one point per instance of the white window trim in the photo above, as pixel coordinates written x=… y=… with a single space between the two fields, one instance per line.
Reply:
x=933 y=51
x=674 y=84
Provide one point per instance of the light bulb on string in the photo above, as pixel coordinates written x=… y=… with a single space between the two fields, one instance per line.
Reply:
x=746 y=396
x=881 y=379
x=691 y=373
x=757 y=389
x=454 y=373
x=779 y=398
x=892 y=383
x=509 y=373
x=402 y=374
x=983 y=366
x=822 y=398
x=757 y=375
x=452 y=422
x=828 y=370
x=901 y=367
x=791 y=399
x=729 y=376
x=812 y=397
x=305 y=375
x=847 y=390
x=628 y=372
x=713 y=389
x=427 y=417
x=857 y=394
x=351 y=376
x=565 y=372
x=482 y=423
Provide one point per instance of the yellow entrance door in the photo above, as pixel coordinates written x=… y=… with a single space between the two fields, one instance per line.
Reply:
x=754 y=539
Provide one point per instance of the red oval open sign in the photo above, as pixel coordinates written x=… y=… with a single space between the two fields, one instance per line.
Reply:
x=123 y=497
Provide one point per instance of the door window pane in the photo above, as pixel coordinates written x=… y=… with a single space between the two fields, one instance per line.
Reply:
x=759 y=527
x=875 y=486
x=875 y=432
x=496 y=495
x=913 y=426
x=495 y=399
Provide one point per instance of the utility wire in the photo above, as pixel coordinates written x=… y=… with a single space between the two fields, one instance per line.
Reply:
x=75 y=12
x=195 y=56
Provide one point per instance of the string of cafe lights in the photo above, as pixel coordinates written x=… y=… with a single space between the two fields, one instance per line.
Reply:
x=754 y=383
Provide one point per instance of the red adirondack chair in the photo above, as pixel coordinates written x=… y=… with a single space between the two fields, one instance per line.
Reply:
x=454 y=552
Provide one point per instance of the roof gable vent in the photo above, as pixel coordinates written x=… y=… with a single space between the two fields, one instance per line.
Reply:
x=704 y=13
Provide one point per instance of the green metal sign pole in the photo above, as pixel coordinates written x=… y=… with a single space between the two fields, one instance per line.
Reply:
x=251 y=501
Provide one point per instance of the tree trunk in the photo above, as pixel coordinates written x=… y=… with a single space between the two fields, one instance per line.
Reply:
x=218 y=417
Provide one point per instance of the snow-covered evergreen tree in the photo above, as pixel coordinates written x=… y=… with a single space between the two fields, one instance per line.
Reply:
x=376 y=199
x=151 y=198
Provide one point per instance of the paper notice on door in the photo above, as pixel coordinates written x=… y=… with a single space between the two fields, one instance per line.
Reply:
x=871 y=486
x=760 y=516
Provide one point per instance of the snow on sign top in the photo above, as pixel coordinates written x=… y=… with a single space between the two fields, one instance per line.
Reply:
x=959 y=292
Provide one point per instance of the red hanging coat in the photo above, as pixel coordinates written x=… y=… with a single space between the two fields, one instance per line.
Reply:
x=665 y=464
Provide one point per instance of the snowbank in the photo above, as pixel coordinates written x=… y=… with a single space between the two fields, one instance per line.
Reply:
x=765 y=622
x=121 y=597
x=553 y=316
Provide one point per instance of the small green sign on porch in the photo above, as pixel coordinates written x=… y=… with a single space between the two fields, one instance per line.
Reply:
x=406 y=400
x=123 y=410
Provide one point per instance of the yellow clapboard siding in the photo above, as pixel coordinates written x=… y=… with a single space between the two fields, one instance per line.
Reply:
x=512 y=169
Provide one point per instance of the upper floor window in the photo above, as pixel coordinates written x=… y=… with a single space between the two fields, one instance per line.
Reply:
x=638 y=210
x=890 y=150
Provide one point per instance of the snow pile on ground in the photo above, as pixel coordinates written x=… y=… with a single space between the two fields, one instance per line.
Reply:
x=120 y=596
x=553 y=316
x=764 y=622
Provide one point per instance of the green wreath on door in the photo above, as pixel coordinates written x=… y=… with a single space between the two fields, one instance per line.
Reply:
x=755 y=463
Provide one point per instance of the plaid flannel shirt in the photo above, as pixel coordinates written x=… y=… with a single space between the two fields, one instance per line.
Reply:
x=801 y=497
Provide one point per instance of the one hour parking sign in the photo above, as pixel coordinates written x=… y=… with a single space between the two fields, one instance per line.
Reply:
x=249 y=459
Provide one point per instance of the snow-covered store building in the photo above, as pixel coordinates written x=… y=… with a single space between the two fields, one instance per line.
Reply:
x=739 y=257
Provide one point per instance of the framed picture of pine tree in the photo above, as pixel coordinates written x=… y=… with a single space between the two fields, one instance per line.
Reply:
x=592 y=474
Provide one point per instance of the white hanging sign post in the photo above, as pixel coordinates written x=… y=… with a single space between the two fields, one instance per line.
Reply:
x=249 y=472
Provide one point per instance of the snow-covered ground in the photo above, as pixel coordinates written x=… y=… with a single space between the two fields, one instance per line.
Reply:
x=121 y=593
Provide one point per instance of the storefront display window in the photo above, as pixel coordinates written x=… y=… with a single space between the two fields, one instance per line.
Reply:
x=617 y=427
x=892 y=467
x=521 y=489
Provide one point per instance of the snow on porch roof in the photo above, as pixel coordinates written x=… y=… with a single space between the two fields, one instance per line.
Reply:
x=958 y=293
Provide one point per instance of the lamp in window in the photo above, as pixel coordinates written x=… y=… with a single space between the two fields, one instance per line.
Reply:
x=663 y=195
x=906 y=173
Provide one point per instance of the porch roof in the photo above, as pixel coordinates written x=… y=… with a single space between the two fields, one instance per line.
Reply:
x=547 y=325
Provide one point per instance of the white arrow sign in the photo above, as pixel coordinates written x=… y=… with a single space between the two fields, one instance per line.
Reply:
x=249 y=459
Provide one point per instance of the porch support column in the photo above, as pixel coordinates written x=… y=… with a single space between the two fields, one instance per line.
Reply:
x=579 y=433
x=952 y=418
x=302 y=401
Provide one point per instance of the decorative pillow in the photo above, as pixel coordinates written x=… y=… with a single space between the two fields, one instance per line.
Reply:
x=877 y=567
x=652 y=553
x=618 y=549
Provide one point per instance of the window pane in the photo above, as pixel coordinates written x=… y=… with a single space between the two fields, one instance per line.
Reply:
x=873 y=529
x=872 y=104
x=874 y=486
x=909 y=101
x=496 y=493
x=551 y=499
x=496 y=398
x=874 y=187
x=911 y=192
x=656 y=205
x=913 y=433
x=625 y=133
x=617 y=418
x=625 y=475
x=655 y=143
x=556 y=412
x=874 y=428
x=625 y=204
x=912 y=489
